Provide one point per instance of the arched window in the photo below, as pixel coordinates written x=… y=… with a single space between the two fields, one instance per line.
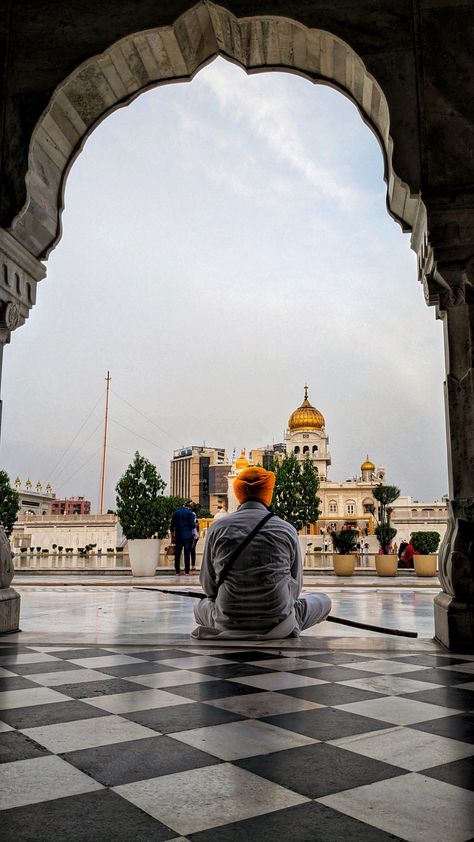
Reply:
x=315 y=448
x=333 y=507
x=306 y=449
x=297 y=449
x=350 y=507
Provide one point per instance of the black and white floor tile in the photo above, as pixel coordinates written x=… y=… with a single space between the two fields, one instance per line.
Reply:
x=221 y=744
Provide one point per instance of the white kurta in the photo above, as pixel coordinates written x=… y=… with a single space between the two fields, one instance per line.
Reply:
x=259 y=597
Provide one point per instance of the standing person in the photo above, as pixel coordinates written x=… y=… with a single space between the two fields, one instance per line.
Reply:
x=400 y=552
x=182 y=526
x=253 y=579
x=195 y=539
x=407 y=557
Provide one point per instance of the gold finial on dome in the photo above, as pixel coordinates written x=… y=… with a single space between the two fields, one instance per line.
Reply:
x=49 y=488
x=367 y=465
x=306 y=417
x=242 y=462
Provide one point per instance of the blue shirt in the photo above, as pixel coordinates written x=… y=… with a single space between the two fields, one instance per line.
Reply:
x=182 y=523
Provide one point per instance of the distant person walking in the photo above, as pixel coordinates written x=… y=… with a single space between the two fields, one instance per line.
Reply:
x=182 y=527
x=195 y=539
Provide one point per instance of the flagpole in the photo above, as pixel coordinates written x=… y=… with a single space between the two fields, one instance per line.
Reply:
x=104 y=449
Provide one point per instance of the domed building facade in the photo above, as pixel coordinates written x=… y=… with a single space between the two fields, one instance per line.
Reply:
x=207 y=475
x=348 y=502
x=306 y=436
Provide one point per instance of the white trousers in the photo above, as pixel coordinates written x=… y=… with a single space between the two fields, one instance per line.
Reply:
x=309 y=610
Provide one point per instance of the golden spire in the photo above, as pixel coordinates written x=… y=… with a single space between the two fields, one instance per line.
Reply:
x=242 y=462
x=306 y=417
x=367 y=465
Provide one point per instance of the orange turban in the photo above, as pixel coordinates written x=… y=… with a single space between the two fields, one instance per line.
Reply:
x=256 y=483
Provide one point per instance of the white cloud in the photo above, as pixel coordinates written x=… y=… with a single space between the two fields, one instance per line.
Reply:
x=272 y=118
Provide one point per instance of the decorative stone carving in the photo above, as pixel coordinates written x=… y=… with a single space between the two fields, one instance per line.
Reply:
x=144 y=59
x=19 y=274
x=448 y=281
x=6 y=560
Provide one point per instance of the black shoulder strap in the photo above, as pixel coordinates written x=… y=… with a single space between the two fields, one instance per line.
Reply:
x=225 y=570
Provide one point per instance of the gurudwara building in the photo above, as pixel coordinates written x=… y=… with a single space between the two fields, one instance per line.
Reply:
x=209 y=479
x=348 y=502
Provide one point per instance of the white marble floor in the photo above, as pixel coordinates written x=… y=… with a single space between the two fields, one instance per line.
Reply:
x=107 y=614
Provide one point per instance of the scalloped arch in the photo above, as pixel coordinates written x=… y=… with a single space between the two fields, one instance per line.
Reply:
x=146 y=59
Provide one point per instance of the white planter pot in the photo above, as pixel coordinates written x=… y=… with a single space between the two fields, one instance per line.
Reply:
x=144 y=556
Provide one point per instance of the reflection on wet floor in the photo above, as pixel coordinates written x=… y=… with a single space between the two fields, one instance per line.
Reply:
x=116 y=612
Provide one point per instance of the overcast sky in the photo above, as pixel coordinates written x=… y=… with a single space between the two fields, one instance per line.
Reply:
x=226 y=241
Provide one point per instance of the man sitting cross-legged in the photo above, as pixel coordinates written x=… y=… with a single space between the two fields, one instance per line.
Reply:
x=258 y=597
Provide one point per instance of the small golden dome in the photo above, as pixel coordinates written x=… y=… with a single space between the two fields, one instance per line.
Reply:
x=367 y=465
x=306 y=417
x=242 y=462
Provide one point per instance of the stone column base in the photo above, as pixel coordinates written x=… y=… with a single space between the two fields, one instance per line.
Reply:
x=454 y=623
x=9 y=610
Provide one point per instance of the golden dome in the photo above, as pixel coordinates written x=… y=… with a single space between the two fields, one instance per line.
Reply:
x=242 y=462
x=306 y=417
x=367 y=465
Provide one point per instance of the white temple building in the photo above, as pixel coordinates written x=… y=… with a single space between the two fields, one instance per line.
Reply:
x=348 y=502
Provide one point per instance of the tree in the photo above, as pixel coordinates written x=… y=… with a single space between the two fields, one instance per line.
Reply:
x=310 y=484
x=294 y=495
x=385 y=494
x=137 y=493
x=9 y=503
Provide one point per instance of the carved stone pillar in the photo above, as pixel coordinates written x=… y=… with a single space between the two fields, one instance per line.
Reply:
x=19 y=275
x=448 y=279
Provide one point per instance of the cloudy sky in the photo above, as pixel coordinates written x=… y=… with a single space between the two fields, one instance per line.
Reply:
x=226 y=241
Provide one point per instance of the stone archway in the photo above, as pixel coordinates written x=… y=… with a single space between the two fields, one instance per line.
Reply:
x=176 y=53
x=433 y=123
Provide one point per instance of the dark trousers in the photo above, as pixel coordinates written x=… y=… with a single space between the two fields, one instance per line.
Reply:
x=182 y=544
x=193 y=552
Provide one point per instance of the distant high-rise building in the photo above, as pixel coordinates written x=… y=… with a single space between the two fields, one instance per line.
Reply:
x=190 y=472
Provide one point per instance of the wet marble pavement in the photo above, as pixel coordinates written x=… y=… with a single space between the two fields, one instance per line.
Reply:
x=105 y=614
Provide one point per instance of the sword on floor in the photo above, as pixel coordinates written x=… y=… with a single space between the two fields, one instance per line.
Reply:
x=330 y=618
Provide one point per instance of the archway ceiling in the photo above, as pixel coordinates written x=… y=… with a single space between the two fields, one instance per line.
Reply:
x=146 y=59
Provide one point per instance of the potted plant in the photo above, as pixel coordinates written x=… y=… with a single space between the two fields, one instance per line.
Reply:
x=386 y=562
x=137 y=510
x=425 y=545
x=345 y=544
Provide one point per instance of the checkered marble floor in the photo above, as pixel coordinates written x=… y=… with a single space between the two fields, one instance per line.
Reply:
x=163 y=743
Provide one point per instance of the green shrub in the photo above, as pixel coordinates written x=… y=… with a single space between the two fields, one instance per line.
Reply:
x=137 y=494
x=385 y=494
x=9 y=503
x=425 y=543
x=345 y=541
